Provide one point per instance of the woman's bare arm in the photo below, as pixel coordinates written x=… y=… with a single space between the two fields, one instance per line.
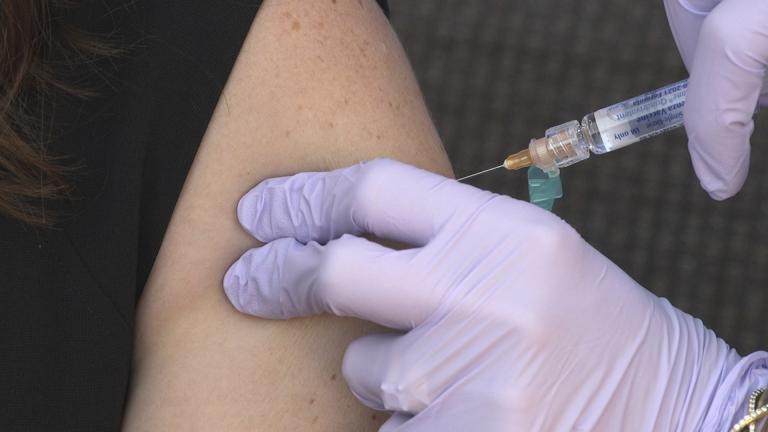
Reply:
x=317 y=85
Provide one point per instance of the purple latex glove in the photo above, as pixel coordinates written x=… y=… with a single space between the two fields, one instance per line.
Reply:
x=724 y=44
x=512 y=322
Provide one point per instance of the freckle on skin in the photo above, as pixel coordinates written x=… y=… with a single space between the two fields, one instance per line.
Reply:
x=314 y=420
x=333 y=377
x=287 y=133
x=333 y=1
x=312 y=401
x=330 y=124
x=373 y=417
x=296 y=26
x=300 y=107
x=346 y=101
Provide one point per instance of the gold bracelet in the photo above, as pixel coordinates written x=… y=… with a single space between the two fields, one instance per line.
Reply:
x=754 y=413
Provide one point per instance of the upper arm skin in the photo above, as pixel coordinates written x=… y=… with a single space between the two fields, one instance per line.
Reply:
x=318 y=84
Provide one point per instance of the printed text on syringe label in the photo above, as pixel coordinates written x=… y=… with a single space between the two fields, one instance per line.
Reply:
x=642 y=117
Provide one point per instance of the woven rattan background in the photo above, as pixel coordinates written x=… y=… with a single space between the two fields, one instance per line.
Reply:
x=496 y=73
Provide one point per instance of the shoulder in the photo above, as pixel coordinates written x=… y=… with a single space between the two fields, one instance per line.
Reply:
x=317 y=85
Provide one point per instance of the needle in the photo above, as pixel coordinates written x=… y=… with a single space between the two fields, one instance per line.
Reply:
x=481 y=172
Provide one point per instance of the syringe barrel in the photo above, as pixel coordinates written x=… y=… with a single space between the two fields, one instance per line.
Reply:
x=636 y=119
x=611 y=128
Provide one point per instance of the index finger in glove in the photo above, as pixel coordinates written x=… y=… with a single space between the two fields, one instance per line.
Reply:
x=383 y=197
x=727 y=75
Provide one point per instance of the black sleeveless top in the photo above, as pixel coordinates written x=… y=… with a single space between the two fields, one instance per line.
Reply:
x=68 y=294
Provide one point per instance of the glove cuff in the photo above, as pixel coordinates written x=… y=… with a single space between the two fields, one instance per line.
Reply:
x=756 y=411
x=729 y=403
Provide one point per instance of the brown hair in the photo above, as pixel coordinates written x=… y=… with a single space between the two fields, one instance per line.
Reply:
x=31 y=33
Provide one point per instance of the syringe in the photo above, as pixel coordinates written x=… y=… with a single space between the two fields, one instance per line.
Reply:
x=604 y=130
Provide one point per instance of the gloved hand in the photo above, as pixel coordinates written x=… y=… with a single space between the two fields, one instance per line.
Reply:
x=512 y=322
x=724 y=44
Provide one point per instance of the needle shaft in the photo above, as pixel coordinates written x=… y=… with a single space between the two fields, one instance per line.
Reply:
x=481 y=172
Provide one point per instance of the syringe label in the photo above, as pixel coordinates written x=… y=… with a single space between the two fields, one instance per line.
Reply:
x=642 y=117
